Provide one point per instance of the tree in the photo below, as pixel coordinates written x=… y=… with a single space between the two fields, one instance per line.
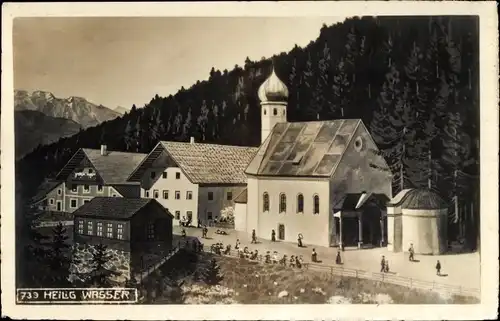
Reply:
x=202 y=120
x=212 y=275
x=60 y=257
x=341 y=86
x=100 y=275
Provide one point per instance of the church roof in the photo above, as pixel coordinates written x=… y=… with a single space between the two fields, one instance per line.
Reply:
x=418 y=199
x=203 y=163
x=113 y=168
x=273 y=89
x=311 y=149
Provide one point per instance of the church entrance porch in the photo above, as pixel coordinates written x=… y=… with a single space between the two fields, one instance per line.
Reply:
x=360 y=220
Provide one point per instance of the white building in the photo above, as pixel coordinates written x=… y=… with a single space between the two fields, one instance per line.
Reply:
x=302 y=172
x=418 y=217
x=193 y=180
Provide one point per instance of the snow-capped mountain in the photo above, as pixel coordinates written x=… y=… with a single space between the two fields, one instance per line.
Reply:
x=76 y=109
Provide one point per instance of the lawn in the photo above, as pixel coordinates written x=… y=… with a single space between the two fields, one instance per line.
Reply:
x=253 y=283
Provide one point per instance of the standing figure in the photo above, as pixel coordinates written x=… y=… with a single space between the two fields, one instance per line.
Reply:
x=237 y=246
x=386 y=270
x=254 y=237
x=438 y=268
x=183 y=233
x=299 y=240
x=273 y=236
x=338 y=259
x=292 y=261
x=314 y=256
x=382 y=264
x=411 y=250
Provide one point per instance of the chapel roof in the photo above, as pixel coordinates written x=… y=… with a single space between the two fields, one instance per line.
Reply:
x=418 y=199
x=311 y=149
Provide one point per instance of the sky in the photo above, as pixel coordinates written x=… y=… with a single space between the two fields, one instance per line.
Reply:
x=125 y=61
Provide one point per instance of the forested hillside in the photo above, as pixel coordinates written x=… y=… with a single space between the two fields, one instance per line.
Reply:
x=414 y=82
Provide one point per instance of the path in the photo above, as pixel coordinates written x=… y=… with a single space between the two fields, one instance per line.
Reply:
x=461 y=269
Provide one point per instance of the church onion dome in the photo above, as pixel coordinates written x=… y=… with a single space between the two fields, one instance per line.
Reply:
x=273 y=89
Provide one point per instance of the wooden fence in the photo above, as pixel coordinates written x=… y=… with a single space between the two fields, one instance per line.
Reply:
x=375 y=276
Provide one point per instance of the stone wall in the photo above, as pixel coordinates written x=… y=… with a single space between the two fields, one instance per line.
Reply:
x=120 y=262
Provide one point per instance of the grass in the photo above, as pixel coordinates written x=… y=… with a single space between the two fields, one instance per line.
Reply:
x=261 y=284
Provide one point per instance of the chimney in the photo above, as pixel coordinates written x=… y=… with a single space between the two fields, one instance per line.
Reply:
x=104 y=150
x=191 y=140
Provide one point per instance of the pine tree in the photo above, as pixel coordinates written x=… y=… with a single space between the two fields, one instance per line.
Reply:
x=212 y=275
x=202 y=120
x=100 y=276
x=341 y=86
x=186 y=127
x=60 y=257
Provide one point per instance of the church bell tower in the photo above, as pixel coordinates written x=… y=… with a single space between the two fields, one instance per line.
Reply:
x=273 y=96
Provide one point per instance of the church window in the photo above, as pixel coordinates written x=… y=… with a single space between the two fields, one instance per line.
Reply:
x=316 y=204
x=265 y=201
x=300 y=203
x=275 y=111
x=265 y=112
x=282 y=203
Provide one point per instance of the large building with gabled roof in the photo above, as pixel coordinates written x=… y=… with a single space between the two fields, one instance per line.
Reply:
x=90 y=173
x=302 y=170
x=194 y=181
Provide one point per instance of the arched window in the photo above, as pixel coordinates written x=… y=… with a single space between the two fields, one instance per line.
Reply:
x=282 y=203
x=265 y=111
x=275 y=111
x=300 y=203
x=316 y=204
x=265 y=202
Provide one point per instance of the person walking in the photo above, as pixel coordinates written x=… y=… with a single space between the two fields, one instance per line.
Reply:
x=382 y=264
x=254 y=237
x=411 y=250
x=237 y=245
x=299 y=240
x=273 y=236
x=338 y=259
x=438 y=268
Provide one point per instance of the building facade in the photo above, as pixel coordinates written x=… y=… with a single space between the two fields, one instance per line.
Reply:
x=193 y=181
x=417 y=217
x=91 y=173
x=134 y=230
x=302 y=170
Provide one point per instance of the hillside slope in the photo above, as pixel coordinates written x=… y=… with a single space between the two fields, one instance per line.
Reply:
x=34 y=128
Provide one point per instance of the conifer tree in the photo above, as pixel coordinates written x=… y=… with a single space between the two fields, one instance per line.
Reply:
x=341 y=85
x=212 y=275
x=60 y=255
x=100 y=275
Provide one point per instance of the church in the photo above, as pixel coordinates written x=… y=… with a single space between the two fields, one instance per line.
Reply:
x=322 y=180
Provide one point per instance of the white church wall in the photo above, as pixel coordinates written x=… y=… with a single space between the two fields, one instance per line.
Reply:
x=254 y=205
x=313 y=227
x=423 y=229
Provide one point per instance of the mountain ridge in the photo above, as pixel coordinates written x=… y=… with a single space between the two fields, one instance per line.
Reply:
x=75 y=108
